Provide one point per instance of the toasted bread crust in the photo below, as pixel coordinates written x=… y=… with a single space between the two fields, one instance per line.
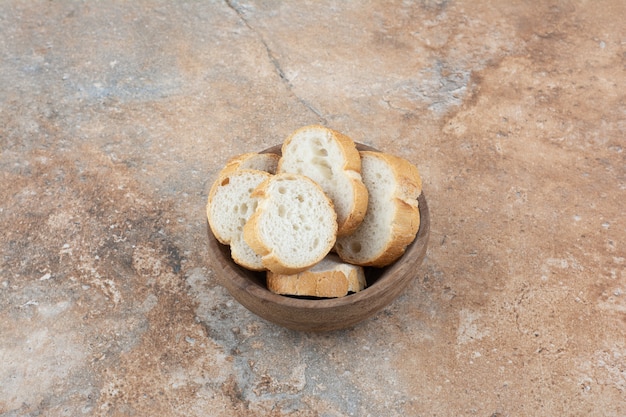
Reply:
x=405 y=220
x=331 y=278
x=355 y=217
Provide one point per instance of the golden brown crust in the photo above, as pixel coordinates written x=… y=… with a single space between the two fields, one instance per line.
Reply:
x=406 y=220
x=350 y=152
x=329 y=284
x=360 y=195
x=354 y=219
x=335 y=279
x=209 y=216
x=403 y=233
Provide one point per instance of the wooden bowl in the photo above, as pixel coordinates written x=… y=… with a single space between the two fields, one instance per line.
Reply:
x=383 y=285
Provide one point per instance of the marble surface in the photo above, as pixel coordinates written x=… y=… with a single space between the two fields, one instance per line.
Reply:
x=115 y=117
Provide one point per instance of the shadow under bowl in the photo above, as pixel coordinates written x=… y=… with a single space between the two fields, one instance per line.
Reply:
x=317 y=315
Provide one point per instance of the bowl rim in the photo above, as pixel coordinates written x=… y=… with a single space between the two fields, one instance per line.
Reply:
x=239 y=276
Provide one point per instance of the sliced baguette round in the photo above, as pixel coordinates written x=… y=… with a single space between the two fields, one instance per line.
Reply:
x=230 y=204
x=392 y=218
x=251 y=160
x=329 y=278
x=294 y=225
x=330 y=159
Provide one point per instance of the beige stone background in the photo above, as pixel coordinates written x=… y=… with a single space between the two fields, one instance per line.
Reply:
x=115 y=116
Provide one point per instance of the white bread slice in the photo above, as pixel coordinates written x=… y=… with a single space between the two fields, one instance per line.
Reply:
x=251 y=160
x=229 y=206
x=330 y=159
x=294 y=225
x=329 y=278
x=392 y=218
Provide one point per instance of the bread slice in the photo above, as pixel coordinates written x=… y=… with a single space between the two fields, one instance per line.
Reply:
x=330 y=159
x=294 y=225
x=229 y=206
x=328 y=278
x=393 y=216
x=251 y=160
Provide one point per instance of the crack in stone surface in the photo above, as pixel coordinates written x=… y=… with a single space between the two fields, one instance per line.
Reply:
x=275 y=63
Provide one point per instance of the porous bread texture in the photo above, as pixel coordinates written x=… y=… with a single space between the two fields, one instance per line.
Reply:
x=331 y=160
x=294 y=225
x=329 y=278
x=230 y=204
x=267 y=162
x=392 y=218
x=244 y=255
